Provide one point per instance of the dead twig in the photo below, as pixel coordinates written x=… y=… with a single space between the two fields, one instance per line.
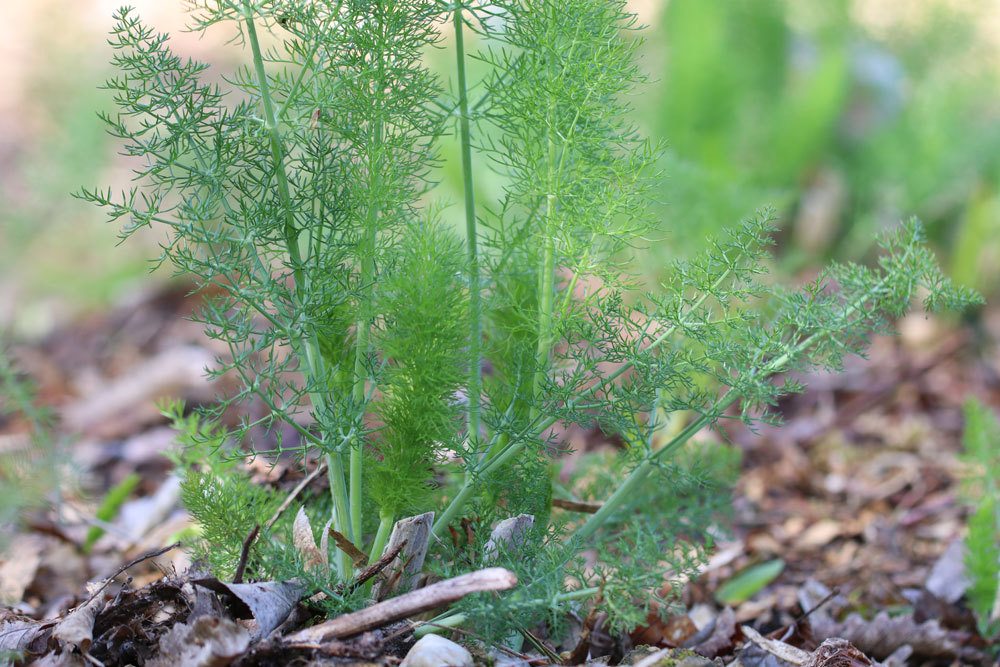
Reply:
x=146 y=556
x=579 y=654
x=372 y=570
x=287 y=502
x=358 y=557
x=245 y=554
x=576 y=506
x=406 y=605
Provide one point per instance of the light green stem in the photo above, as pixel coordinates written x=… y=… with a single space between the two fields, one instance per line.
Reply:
x=386 y=521
x=627 y=490
x=308 y=345
x=364 y=336
x=474 y=389
x=449 y=621
x=547 y=274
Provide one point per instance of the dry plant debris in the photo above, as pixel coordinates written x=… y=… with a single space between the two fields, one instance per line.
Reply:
x=857 y=491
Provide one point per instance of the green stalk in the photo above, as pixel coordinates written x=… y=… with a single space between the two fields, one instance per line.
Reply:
x=385 y=524
x=364 y=339
x=449 y=621
x=628 y=488
x=358 y=390
x=308 y=343
x=474 y=390
x=547 y=275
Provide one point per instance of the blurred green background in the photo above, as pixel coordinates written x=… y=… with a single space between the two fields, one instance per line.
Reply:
x=846 y=115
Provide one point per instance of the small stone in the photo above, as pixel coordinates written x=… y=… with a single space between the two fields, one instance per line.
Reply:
x=435 y=651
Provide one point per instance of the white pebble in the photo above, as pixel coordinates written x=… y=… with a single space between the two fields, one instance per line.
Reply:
x=435 y=651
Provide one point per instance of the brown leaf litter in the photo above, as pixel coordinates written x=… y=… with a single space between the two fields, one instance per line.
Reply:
x=857 y=493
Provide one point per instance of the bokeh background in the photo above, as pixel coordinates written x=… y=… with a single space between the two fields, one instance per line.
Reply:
x=845 y=115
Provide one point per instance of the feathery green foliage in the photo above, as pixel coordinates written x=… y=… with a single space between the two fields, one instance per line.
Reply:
x=361 y=325
x=982 y=489
x=27 y=474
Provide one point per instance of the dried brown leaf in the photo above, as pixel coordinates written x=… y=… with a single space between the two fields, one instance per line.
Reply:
x=884 y=634
x=305 y=542
x=77 y=629
x=206 y=642
x=18 y=569
x=23 y=635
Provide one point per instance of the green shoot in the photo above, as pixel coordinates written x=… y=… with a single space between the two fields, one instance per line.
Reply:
x=109 y=507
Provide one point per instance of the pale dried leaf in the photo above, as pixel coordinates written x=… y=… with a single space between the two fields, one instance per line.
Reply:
x=324 y=541
x=780 y=650
x=138 y=517
x=19 y=567
x=22 y=635
x=820 y=534
x=508 y=535
x=305 y=543
x=947 y=580
x=206 y=642
x=720 y=641
x=77 y=629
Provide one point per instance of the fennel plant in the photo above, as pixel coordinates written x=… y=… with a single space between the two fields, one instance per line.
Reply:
x=433 y=370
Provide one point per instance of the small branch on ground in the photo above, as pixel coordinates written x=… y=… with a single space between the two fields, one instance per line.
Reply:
x=146 y=556
x=416 y=602
x=306 y=481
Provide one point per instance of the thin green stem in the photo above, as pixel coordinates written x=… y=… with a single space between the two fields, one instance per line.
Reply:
x=308 y=344
x=547 y=271
x=385 y=524
x=474 y=390
x=455 y=620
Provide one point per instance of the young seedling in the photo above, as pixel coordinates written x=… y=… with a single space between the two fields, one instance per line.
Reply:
x=434 y=369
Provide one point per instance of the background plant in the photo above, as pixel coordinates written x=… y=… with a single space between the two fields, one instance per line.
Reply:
x=982 y=488
x=365 y=325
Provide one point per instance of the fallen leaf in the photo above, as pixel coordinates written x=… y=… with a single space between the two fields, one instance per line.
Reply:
x=720 y=639
x=77 y=629
x=837 y=653
x=879 y=637
x=23 y=635
x=267 y=602
x=208 y=641
x=947 y=580
x=819 y=534
x=305 y=542
x=19 y=567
